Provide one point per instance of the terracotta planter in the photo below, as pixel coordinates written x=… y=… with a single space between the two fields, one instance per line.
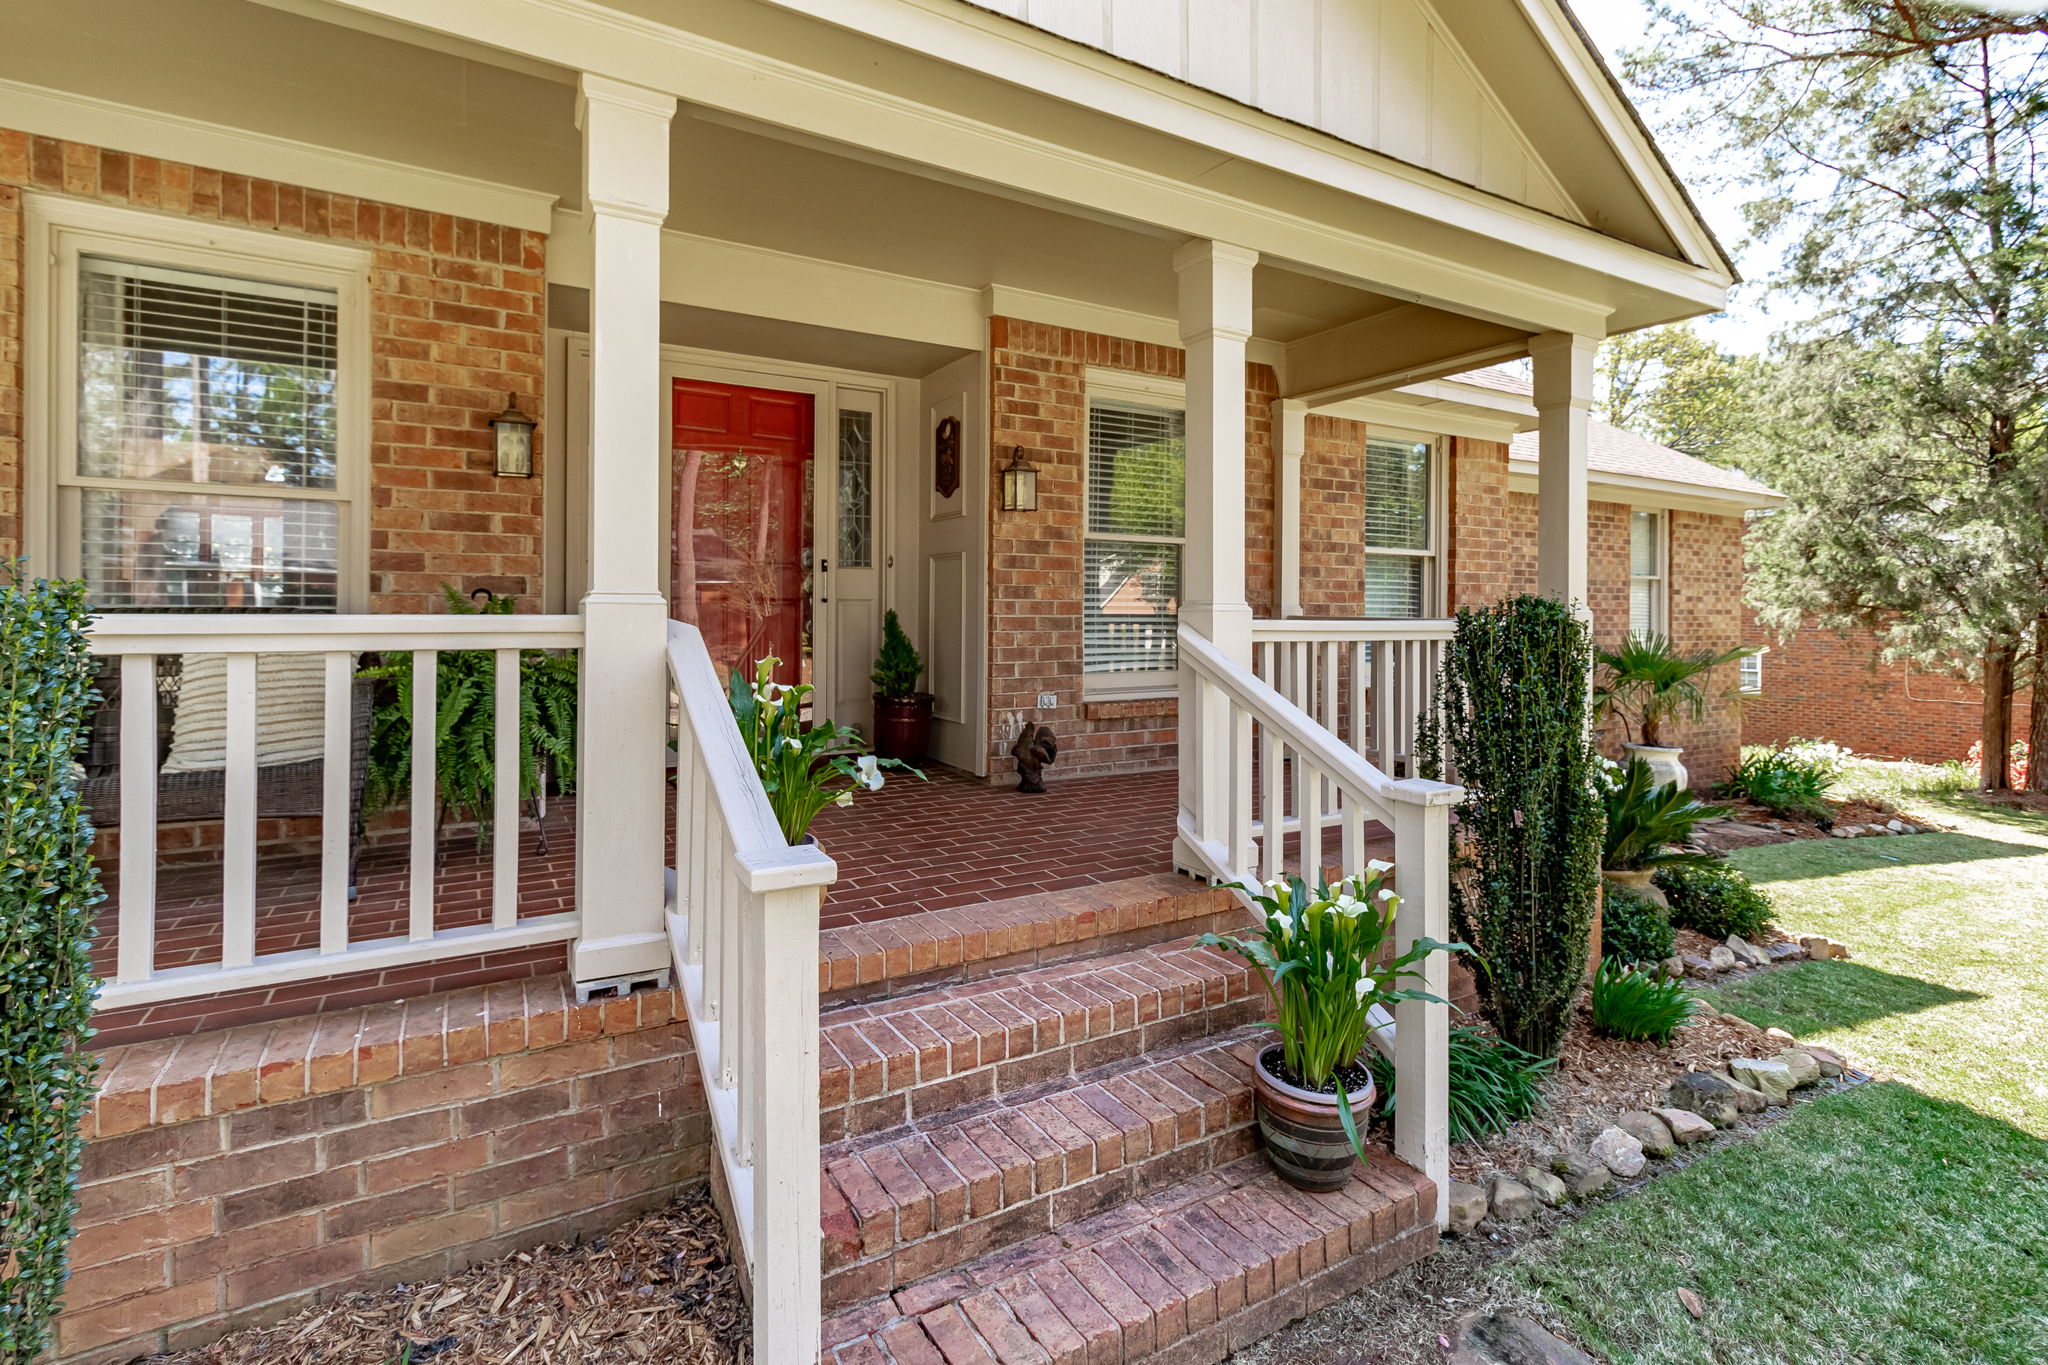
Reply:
x=1304 y=1136
x=1637 y=879
x=1663 y=761
x=903 y=727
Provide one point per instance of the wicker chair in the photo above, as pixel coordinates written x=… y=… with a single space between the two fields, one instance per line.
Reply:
x=283 y=790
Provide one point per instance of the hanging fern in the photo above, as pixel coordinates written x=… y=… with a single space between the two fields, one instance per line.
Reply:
x=1512 y=723
x=465 y=718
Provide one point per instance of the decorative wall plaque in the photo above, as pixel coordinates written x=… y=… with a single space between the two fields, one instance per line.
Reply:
x=946 y=457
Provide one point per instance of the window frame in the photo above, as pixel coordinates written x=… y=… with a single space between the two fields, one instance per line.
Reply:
x=1747 y=664
x=1435 y=529
x=59 y=232
x=1660 y=591
x=1149 y=391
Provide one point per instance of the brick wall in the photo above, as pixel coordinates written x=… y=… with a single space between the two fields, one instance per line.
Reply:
x=1493 y=554
x=1823 y=685
x=239 y=1177
x=456 y=320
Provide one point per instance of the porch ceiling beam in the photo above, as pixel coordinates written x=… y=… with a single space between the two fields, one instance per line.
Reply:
x=1402 y=346
x=1003 y=160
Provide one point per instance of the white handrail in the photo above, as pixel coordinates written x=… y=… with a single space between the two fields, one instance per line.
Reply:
x=137 y=640
x=743 y=929
x=1327 y=628
x=1258 y=768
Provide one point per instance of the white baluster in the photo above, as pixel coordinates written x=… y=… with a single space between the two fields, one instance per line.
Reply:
x=137 y=951
x=420 y=872
x=337 y=821
x=238 y=817
x=1243 y=857
x=1307 y=799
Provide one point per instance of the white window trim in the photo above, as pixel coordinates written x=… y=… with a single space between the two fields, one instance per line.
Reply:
x=58 y=231
x=1153 y=392
x=1756 y=661
x=1660 y=594
x=1435 y=584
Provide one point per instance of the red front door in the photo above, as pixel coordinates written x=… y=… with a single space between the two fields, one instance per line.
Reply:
x=741 y=563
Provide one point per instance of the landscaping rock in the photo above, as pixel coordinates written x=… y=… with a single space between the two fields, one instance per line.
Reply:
x=1671 y=968
x=1511 y=1200
x=1821 y=948
x=1785 y=952
x=1711 y=1097
x=1582 y=1174
x=1649 y=1130
x=1831 y=1064
x=1803 y=1065
x=1722 y=958
x=1489 y=1338
x=1698 y=966
x=1618 y=1151
x=1897 y=826
x=1747 y=953
x=1749 y=1099
x=1686 y=1127
x=1543 y=1185
x=1772 y=1077
x=1467 y=1205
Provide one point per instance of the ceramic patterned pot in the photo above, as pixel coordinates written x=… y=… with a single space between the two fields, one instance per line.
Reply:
x=1663 y=761
x=1304 y=1135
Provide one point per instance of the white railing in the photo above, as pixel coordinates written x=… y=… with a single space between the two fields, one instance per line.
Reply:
x=743 y=928
x=138 y=640
x=1369 y=682
x=1257 y=768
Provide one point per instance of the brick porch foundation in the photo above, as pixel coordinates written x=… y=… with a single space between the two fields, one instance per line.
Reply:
x=236 y=1177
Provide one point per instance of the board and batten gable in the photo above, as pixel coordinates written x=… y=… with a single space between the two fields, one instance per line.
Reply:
x=1382 y=74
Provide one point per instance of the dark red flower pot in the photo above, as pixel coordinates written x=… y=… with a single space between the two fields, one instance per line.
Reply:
x=1304 y=1135
x=903 y=727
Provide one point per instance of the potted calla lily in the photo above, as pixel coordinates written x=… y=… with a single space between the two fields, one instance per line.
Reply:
x=803 y=767
x=1324 y=958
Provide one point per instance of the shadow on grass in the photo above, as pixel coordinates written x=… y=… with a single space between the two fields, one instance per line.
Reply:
x=1818 y=996
x=1805 y=859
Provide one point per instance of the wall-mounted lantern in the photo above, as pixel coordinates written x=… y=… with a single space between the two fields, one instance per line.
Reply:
x=514 y=432
x=1020 y=483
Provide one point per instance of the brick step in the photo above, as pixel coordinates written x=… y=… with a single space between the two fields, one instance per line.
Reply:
x=1190 y=1273
x=905 y=1204
x=894 y=1062
x=995 y=938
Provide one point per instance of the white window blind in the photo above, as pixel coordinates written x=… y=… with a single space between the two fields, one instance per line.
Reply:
x=205 y=474
x=1646 y=573
x=1400 y=554
x=1135 y=527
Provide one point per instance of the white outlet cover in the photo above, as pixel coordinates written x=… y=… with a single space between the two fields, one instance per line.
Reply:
x=1048 y=700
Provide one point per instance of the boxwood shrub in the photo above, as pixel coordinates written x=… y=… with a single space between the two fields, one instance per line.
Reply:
x=1714 y=899
x=1632 y=927
x=48 y=886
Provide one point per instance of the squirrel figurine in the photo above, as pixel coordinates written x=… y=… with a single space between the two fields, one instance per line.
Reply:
x=1034 y=749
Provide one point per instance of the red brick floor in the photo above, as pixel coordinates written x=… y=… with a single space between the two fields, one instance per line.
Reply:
x=912 y=846
x=953 y=840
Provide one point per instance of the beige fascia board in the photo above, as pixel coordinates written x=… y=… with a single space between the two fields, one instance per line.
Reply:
x=734 y=277
x=1519 y=410
x=1030 y=305
x=701 y=70
x=1368 y=385
x=171 y=137
x=1647 y=492
x=1413 y=413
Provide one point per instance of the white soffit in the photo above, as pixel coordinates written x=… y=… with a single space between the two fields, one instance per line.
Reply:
x=1647 y=492
x=142 y=132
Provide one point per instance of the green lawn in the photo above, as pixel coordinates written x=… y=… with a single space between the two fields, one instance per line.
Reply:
x=1905 y=1221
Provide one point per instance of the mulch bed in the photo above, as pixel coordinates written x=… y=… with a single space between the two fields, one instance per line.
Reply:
x=1597 y=1079
x=661 y=1289
x=1749 y=824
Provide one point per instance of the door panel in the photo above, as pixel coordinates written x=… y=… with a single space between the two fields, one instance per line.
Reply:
x=742 y=550
x=850 y=583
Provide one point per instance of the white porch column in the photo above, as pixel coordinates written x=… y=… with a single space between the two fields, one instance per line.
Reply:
x=1215 y=323
x=1563 y=366
x=1290 y=444
x=624 y=701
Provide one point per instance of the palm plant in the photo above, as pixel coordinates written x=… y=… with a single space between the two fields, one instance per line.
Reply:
x=1649 y=683
x=1644 y=820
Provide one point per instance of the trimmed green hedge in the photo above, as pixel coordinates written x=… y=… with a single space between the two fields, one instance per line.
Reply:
x=1715 y=900
x=1633 y=928
x=48 y=886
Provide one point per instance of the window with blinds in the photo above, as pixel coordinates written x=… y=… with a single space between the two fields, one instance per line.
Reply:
x=206 y=472
x=1135 y=525
x=1646 y=573
x=1400 y=558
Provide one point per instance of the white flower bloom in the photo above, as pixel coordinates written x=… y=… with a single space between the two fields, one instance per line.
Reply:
x=870 y=772
x=843 y=799
x=1359 y=988
x=1377 y=865
x=1387 y=895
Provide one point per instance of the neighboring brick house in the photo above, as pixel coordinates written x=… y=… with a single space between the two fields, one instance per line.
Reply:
x=1100 y=355
x=1825 y=684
